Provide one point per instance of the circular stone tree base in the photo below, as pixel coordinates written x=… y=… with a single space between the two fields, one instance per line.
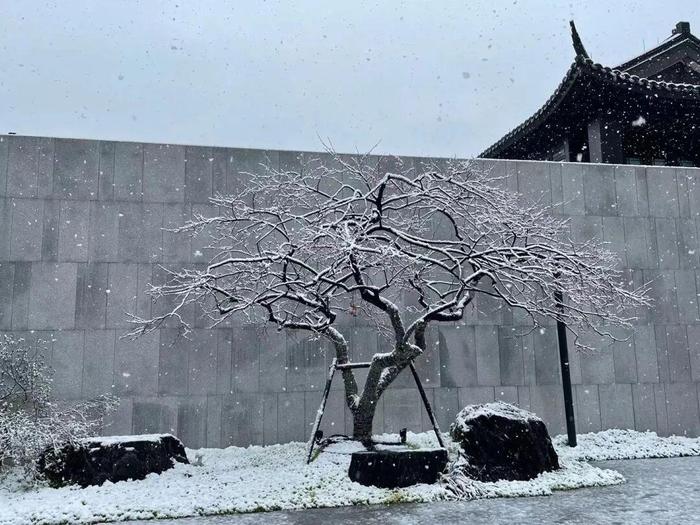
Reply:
x=391 y=469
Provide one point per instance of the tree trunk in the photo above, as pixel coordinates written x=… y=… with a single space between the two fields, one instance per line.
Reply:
x=362 y=418
x=382 y=372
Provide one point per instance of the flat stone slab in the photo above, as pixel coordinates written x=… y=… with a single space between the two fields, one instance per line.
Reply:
x=93 y=461
x=387 y=468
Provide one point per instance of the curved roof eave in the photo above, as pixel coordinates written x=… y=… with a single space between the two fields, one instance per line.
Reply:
x=581 y=67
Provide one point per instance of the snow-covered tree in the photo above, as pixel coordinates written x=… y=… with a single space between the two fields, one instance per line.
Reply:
x=408 y=248
x=30 y=421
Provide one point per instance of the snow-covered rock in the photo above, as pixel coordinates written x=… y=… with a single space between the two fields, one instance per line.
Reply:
x=499 y=441
x=94 y=461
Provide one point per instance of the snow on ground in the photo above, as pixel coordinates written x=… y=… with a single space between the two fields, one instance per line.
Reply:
x=626 y=444
x=276 y=477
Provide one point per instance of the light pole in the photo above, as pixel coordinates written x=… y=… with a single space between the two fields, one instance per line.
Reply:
x=565 y=372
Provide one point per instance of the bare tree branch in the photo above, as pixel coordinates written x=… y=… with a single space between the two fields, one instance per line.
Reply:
x=296 y=248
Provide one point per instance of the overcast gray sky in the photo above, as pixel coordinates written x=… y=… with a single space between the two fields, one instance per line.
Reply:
x=440 y=78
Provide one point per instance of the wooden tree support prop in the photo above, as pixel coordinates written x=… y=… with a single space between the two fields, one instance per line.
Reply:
x=321 y=409
x=327 y=389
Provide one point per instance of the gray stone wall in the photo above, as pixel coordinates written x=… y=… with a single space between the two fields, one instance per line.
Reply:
x=81 y=235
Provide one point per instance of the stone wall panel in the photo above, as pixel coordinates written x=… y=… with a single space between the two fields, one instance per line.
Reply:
x=81 y=237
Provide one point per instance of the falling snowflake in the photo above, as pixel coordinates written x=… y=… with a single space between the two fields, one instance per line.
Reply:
x=639 y=121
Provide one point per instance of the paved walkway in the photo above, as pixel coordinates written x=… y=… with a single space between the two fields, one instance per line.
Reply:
x=657 y=491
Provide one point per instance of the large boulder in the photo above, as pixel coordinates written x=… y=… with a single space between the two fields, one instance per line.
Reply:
x=393 y=468
x=93 y=461
x=502 y=441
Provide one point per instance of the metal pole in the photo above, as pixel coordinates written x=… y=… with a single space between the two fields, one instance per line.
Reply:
x=565 y=373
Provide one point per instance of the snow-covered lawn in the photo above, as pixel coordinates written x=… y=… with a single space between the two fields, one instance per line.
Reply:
x=276 y=477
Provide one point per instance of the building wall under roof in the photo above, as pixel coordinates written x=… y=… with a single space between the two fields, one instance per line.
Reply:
x=80 y=237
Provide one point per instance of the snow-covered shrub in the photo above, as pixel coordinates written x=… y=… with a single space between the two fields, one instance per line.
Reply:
x=30 y=421
x=24 y=375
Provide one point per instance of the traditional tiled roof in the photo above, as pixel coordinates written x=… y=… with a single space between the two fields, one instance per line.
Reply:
x=585 y=68
x=678 y=38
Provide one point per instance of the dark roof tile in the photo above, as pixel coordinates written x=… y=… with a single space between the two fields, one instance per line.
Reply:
x=585 y=67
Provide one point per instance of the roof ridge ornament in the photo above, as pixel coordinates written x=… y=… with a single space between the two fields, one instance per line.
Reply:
x=682 y=28
x=578 y=45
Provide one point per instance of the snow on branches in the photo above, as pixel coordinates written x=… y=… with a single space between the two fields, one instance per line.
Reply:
x=300 y=248
x=30 y=421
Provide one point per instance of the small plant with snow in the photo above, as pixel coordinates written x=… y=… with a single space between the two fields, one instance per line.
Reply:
x=30 y=422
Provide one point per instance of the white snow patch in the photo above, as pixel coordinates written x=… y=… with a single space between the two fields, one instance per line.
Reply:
x=115 y=440
x=498 y=408
x=625 y=444
x=639 y=121
x=277 y=477
x=571 y=475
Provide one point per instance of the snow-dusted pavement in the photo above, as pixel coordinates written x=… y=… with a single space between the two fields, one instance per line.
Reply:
x=657 y=491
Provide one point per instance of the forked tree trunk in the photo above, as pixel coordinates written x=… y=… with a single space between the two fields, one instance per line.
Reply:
x=383 y=370
x=363 y=414
x=362 y=419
